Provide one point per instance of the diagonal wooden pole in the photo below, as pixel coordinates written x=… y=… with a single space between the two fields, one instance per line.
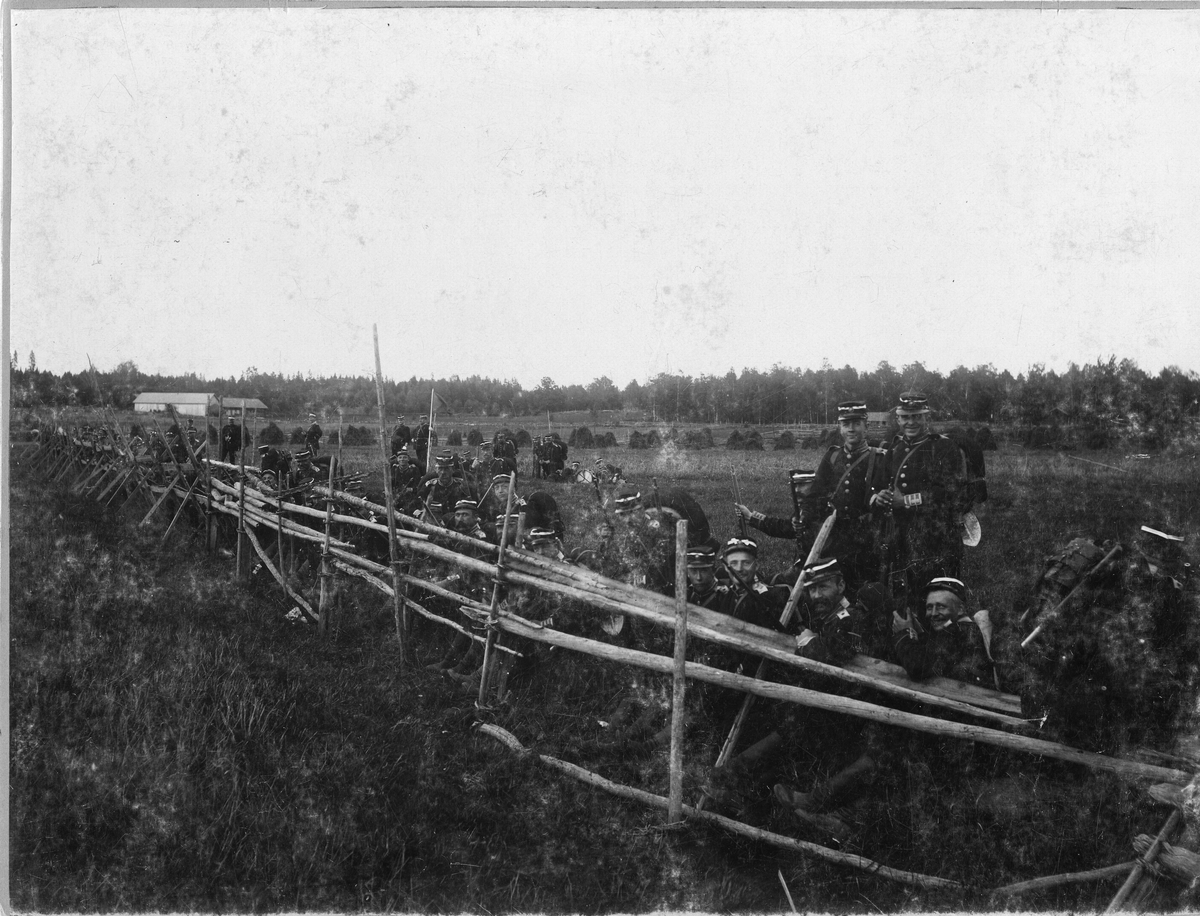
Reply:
x=739 y=721
x=679 y=678
x=326 y=570
x=494 y=611
x=241 y=539
x=398 y=608
x=1145 y=861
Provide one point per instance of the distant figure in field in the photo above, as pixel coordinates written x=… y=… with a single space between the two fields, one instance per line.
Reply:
x=312 y=436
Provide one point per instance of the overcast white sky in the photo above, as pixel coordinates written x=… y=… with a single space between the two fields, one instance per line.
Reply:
x=576 y=193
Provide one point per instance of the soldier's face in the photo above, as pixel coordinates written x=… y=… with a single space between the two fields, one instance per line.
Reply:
x=742 y=564
x=464 y=519
x=941 y=608
x=444 y=473
x=913 y=423
x=825 y=593
x=701 y=578
x=854 y=432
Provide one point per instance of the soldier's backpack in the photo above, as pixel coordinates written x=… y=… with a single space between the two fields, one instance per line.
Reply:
x=1063 y=571
x=973 y=461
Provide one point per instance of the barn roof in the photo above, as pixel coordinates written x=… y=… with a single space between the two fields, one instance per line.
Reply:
x=172 y=397
x=248 y=403
x=193 y=397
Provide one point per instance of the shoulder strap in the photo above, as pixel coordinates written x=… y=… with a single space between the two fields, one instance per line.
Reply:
x=912 y=451
x=857 y=461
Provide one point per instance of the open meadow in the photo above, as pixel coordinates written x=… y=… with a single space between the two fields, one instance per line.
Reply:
x=179 y=744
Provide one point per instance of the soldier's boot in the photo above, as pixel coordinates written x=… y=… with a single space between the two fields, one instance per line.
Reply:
x=468 y=663
x=834 y=790
x=646 y=747
x=817 y=807
x=453 y=655
x=728 y=785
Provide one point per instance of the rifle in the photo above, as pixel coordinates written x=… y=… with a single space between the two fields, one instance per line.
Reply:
x=800 y=481
x=737 y=499
x=735 y=730
x=1053 y=613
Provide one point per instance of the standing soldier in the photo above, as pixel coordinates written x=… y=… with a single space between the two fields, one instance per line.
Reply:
x=421 y=442
x=312 y=438
x=231 y=441
x=401 y=436
x=924 y=497
x=847 y=478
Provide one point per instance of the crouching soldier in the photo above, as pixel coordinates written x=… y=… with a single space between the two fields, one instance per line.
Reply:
x=946 y=642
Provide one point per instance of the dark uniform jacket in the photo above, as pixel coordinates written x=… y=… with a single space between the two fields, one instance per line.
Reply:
x=929 y=476
x=312 y=438
x=960 y=651
x=440 y=499
x=401 y=436
x=834 y=637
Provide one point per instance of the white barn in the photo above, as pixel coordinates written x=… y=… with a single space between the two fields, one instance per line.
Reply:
x=191 y=404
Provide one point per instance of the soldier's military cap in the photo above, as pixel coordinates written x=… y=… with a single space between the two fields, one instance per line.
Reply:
x=399 y=416
x=500 y=479
x=955 y=587
x=852 y=410
x=512 y=521
x=536 y=536
x=913 y=401
x=701 y=557
x=424 y=416
x=303 y=455
x=740 y=545
x=445 y=458
x=466 y=504
x=263 y=449
x=820 y=570
x=626 y=499
x=312 y=416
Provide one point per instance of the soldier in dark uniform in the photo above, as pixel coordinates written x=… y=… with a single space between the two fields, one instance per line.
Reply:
x=401 y=436
x=504 y=451
x=466 y=519
x=754 y=601
x=945 y=641
x=231 y=441
x=421 y=442
x=847 y=478
x=703 y=588
x=441 y=493
x=924 y=497
x=312 y=436
x=828 y=630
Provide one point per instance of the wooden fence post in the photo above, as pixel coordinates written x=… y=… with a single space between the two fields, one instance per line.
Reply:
x=489 y=653
x=679 y=681
x=398 y=607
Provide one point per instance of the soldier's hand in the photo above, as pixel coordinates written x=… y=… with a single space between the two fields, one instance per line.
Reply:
x=798 y=525
x=900 y=624
x=743 y=511
x=883 y=498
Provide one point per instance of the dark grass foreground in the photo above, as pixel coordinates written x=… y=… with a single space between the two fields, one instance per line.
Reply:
x=177 y=744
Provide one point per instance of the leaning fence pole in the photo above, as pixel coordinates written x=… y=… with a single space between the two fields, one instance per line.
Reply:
x=1145 y=862
x=398 y=608
x=241 y=539
x=494 y=612
x=323 y=606
x=679 y=680
x=739 y=721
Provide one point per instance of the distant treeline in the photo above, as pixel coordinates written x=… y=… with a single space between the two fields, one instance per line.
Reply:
x=1103 y=394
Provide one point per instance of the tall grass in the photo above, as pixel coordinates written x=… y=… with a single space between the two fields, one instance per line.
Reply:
x=177 y=744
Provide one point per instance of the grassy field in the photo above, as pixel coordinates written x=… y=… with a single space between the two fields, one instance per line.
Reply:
x=177 y=744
